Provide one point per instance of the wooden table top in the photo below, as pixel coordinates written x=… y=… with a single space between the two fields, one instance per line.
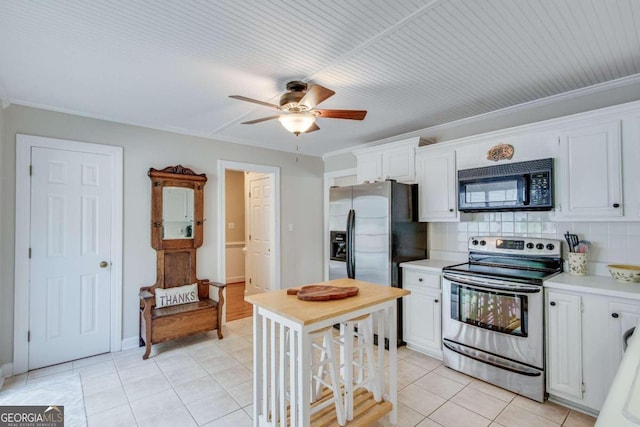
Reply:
x=307 y=312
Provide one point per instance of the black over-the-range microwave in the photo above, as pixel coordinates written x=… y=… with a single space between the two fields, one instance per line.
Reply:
x=521 y=186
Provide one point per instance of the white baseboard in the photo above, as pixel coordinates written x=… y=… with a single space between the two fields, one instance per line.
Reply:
x=6 y=371
x=129 y=343
x=235 y=279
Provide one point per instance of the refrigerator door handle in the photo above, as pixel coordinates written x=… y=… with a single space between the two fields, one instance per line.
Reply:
x=351 y=258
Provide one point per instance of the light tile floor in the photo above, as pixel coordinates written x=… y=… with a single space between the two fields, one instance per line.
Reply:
x=204 y=381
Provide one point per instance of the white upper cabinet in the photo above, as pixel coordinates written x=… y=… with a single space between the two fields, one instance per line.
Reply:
x=369 y=167
x=436 y=176
x=390 y=161
x=590 y=170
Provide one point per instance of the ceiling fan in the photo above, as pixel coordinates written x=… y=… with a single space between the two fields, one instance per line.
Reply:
x=296 y=110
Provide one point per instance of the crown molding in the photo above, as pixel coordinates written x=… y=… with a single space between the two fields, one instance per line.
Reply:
x=177 y=130
x=565 y=96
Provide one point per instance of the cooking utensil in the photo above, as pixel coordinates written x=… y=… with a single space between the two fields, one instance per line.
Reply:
x=572 y=241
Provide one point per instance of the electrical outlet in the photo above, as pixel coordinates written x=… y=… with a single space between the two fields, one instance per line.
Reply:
x=232 y=225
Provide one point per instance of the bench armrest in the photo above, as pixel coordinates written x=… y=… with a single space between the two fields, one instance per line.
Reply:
x=144 y=295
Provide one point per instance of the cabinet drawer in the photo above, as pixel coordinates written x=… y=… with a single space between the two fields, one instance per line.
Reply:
x=421 y=278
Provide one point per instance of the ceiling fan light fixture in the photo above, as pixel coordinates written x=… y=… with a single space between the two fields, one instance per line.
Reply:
x=297 y=123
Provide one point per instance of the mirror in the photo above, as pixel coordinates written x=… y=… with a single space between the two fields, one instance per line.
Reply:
x=177 y=213
x=177 y=205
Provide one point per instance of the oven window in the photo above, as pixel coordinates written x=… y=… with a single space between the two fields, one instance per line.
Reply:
x=497 y=311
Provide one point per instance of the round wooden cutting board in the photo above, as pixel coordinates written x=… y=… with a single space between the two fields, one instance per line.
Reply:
x=323 y=292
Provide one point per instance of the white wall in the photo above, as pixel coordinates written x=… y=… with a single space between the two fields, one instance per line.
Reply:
x=301 y=202
x=6 y=251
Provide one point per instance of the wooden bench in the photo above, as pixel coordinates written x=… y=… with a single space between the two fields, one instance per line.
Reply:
x=168 y=323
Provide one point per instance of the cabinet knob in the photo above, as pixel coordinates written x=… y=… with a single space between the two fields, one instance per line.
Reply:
x=419 y=279
x=450 y=210
x=436 y=301
x=616 y=205
x=552 y=303
x=615 y=315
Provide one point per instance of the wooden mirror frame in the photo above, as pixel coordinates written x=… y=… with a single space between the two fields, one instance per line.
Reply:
x=176 y=176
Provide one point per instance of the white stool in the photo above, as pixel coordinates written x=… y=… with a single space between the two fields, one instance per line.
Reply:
x=359 y=365
x=319 y=369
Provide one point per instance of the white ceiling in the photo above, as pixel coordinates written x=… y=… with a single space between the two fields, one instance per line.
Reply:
x=412 y=64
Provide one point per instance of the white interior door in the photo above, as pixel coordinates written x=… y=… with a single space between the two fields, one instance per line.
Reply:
x=260 y=233
x=69 y=290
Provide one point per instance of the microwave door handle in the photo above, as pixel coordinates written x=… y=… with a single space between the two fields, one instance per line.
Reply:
x=525 y=190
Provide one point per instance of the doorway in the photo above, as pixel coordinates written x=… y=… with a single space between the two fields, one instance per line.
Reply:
x=249 y=233
x=68 y=251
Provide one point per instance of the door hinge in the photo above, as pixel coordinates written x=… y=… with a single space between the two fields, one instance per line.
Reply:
x=583 y=388
x=30 y=170
x=29 y=253
x=249 y=280
x=581 y=307
x=28 y=336
x=249 y=194
x=249 y=236
x=558 y=140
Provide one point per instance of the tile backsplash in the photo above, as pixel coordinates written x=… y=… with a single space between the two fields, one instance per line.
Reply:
x=611 y=242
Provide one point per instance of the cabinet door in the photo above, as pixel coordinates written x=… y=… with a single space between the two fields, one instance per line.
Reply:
x=564 y=344
x=399 y=164
x=369 y=167
x=622 y=317
x=422 y=321
x=590 y=167
x=436 y=175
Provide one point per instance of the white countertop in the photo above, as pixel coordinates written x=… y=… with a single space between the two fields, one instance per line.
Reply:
x=594 y=285
x=622 y=406
x=432 y=265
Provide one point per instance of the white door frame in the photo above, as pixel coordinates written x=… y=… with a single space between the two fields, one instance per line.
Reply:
x=24 y=143
x=274 y=172
x=328 y=181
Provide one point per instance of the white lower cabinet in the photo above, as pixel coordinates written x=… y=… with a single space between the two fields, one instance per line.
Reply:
x=564 y=338
x=585 y=344
x=422 y=312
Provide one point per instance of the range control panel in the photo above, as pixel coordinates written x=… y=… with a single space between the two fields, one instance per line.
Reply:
x=515 y=245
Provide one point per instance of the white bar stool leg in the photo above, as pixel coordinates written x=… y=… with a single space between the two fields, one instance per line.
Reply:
x=327 y=361
x=359 y=371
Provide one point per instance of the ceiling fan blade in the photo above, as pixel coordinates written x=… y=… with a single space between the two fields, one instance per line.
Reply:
x=264 y=119
x=315 y=96
x=342 y=114
x=255 y=101
x=313 y=127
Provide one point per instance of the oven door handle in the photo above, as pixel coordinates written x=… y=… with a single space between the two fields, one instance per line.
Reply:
x=508 y=365
x=524 y=289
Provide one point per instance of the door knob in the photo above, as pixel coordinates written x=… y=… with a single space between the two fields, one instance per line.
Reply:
x=104 y=264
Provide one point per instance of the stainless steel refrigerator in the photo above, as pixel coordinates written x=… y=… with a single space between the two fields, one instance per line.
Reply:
x=373 y=228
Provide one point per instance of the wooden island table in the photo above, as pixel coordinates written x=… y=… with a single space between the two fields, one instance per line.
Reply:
x=282 y=330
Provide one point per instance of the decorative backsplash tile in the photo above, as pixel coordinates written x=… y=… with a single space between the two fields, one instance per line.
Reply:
x=611 y=242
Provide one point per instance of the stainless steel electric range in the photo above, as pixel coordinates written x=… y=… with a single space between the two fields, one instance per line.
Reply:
x=492 y=315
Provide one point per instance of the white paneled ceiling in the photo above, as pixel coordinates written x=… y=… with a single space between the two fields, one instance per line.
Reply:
x=412 y=64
